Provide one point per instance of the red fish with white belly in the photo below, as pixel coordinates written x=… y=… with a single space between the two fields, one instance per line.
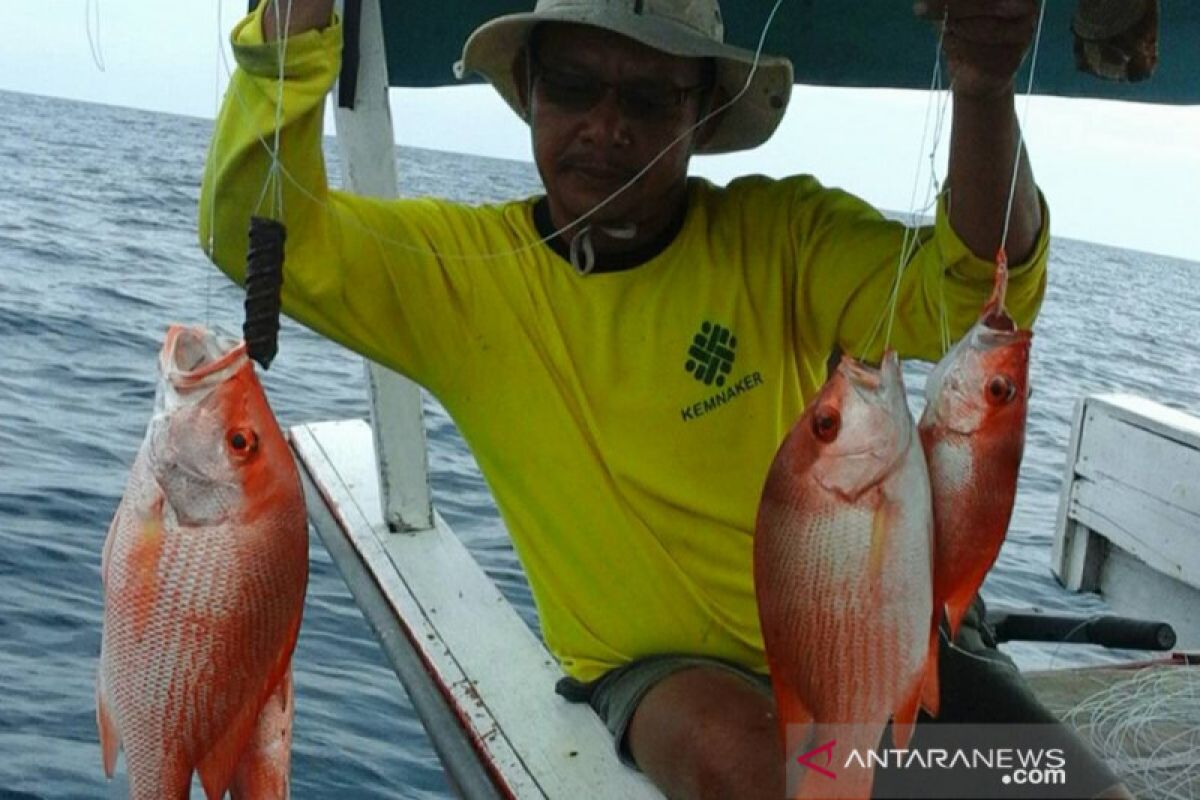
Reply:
x=204 y=570
x=973 y=432
x=842 y=569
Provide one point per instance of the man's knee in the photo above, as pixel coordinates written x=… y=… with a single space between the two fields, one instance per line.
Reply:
x=706 y=733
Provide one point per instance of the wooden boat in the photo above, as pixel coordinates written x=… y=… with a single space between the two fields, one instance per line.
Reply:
x=1129 y=512
x=479 y=679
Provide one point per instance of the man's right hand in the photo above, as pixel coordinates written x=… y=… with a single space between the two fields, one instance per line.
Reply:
x=299 y=15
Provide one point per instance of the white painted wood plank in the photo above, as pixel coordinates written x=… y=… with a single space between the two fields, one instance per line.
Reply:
x=1131 y=588
x=1118 y=449
x=1164 y=420
x=1076 y=553
x=324 y=452
x=467 y=773
x=367 y=147
x=498 y=672
x=1161 y=535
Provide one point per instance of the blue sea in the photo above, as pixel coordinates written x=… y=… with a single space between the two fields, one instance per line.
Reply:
x=98 y=254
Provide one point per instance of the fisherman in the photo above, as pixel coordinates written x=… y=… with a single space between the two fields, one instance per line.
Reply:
x=625 y=353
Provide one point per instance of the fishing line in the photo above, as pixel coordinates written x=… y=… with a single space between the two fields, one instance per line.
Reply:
x=907 y=247
x=911 y=240
x=1067 y=638
x=944 y=635
x=1145 y=728
x=91 y=9
x=211 y=242
x=272 y=182
x=1012 y=188
x=267 y=236
x=282 y=171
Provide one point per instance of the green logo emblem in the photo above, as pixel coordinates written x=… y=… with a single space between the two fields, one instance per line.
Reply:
x=710 y=357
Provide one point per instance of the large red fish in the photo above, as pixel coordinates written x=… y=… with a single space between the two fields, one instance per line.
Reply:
x=204 y=571
x=842 y=570
x=973 y=432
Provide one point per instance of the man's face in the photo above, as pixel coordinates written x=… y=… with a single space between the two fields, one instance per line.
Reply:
x=590 y=138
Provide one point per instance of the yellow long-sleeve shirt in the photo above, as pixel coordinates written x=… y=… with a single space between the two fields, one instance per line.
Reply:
x=624 y=420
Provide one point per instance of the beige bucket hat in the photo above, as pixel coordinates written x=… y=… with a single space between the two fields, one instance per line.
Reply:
x=688 y=28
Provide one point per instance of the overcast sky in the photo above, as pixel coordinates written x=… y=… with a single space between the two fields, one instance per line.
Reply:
x=1118 y=173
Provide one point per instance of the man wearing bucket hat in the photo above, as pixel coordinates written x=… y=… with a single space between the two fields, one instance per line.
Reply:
x=624 y=353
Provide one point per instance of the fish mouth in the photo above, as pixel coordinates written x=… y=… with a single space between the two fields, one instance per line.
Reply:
x=999 y=330
x=860 y=374
x=192 y=355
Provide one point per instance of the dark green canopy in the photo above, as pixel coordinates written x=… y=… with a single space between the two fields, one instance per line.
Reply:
x=864 y=43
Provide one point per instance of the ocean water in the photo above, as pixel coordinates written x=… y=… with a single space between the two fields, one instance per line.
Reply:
x=98 y=254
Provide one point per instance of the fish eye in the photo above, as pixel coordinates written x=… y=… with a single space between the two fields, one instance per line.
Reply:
x=243 y=441
x=1001 y=389
x=826 y=424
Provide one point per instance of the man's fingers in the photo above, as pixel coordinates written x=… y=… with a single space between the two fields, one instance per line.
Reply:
x=970 y=9
x=989 y=31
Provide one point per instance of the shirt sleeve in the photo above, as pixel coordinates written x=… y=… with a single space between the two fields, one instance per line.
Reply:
x=850 y=260
x=383 y=277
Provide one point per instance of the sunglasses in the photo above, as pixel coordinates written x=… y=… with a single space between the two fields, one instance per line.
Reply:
x=647 y=100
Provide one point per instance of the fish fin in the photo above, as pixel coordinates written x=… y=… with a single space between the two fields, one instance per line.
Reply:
x=956 y=609
x=218 y=765
x=789 y=708
x=794 y=719
x=142 y=562
x=906 y=714
x=262 y=771
x=931 y=699
x=879 y=537
x=110 y=738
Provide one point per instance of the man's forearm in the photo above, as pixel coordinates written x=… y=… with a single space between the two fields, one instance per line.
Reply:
x=303 y=15
x=983 y=144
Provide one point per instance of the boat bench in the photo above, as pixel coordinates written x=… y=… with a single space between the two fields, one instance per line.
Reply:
x=1128 y=522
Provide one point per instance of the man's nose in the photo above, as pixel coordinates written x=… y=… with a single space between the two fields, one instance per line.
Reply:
x=606 y=122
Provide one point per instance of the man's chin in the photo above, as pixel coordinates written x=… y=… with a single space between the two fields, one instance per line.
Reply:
x=598 y=212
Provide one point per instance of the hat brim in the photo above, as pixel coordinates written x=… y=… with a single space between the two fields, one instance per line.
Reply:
x=492 y=49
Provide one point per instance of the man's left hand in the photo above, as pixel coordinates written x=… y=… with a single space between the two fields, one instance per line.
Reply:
x=984 y=41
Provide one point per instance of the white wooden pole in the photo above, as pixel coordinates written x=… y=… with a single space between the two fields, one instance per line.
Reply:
x=368 y=153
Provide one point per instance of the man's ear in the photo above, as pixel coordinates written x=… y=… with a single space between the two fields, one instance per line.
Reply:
x=713 y=100
x=521 y=79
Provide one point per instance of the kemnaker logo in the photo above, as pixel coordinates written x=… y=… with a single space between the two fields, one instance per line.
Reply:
x=710 y=357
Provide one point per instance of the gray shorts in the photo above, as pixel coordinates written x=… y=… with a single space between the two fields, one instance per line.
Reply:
x=615 y=695
x=978 y=683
